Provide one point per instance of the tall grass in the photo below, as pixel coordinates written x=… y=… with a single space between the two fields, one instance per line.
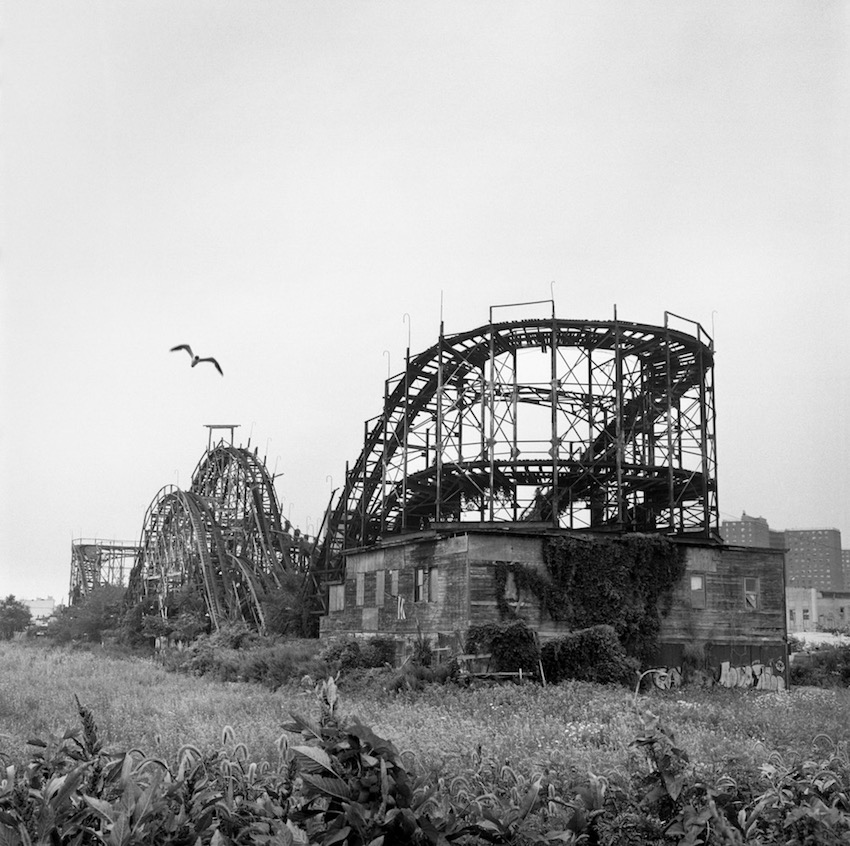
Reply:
x=563 y=731
x=136 y=702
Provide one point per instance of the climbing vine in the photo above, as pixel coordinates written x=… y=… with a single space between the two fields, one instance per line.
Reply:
x=625 y=582
x=513 y=646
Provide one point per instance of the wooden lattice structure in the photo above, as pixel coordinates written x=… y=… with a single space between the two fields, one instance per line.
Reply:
x=223 y=539
x=574 y=424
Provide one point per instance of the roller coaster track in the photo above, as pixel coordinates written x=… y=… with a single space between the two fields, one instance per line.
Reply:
x=222 y=539
x=616 y=431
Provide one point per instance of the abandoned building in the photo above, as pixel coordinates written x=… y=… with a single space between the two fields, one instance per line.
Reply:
x=499 y=444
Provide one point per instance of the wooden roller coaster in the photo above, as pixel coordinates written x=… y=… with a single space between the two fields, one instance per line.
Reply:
x=222 y=539
x=572 y=424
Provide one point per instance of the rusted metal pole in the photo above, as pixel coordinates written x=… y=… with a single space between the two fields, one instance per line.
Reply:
x=553 y=411
x=492 y=439
x=405 y=445
x=438 y=436
x=385 y=427
x=515 y=430
x=671 y=491
x=618 y=376
x=363 y=499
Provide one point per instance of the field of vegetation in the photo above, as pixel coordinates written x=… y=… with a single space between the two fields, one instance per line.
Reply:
x=574 y=762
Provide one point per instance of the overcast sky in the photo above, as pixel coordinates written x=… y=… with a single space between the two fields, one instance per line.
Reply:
x=279 y=183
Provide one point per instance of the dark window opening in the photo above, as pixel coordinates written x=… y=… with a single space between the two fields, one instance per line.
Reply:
x=424 y=586
x=751 y=594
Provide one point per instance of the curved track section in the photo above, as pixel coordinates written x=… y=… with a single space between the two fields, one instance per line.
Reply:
x=222 y=539
x=238 y=487
x=564 y=423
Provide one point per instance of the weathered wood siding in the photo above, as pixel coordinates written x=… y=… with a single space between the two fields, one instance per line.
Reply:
x=459 y=576
x=485 y=552
x=727 y=618
x=735 y=635
x=444 y=608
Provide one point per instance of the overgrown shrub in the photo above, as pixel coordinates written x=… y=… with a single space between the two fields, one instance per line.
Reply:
x=233 y=636
x=377 y=652
x=352 y=654
x=14 y=617
x=625 y=582
x=828 y=666
x=91 y=618
x=284 y=609
x=267 y=661
x=415 y=676
x=422 y=654
x=512 y=646
x=593 y=654
x=181 y=616
x=277 y=664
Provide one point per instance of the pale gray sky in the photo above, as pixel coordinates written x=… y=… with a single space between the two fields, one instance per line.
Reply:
x=278 y=184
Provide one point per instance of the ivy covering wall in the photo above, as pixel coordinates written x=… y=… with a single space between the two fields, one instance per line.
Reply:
x=513 y=646
x=625 y=582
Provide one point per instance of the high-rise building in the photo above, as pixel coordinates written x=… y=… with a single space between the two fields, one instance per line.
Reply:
x=748 y=531
x=814 y=559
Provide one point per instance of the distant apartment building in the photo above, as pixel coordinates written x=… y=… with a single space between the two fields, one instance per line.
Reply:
x=814 y=559
x=748 y=531
x=845 y=566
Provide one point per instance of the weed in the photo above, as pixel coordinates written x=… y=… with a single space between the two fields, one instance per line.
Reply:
x=483 y=763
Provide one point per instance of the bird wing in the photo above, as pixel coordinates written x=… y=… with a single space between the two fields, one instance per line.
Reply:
x=212 y=361
x=183 y=347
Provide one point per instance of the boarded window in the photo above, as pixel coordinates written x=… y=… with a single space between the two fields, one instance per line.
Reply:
x=393 y=582
x=380 y=579
x=361 y=588
x=511 y=593
x=336 y=598
x=751 y=594
x=370 y=619
x=432 y=586
x=792 y=615
x=697 y=590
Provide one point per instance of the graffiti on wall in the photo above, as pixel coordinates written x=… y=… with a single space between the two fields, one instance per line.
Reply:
x=770 y=676
x=667 y=678
x=760 y=676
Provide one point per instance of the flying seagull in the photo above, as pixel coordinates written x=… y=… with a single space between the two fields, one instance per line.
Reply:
x=197 y=359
